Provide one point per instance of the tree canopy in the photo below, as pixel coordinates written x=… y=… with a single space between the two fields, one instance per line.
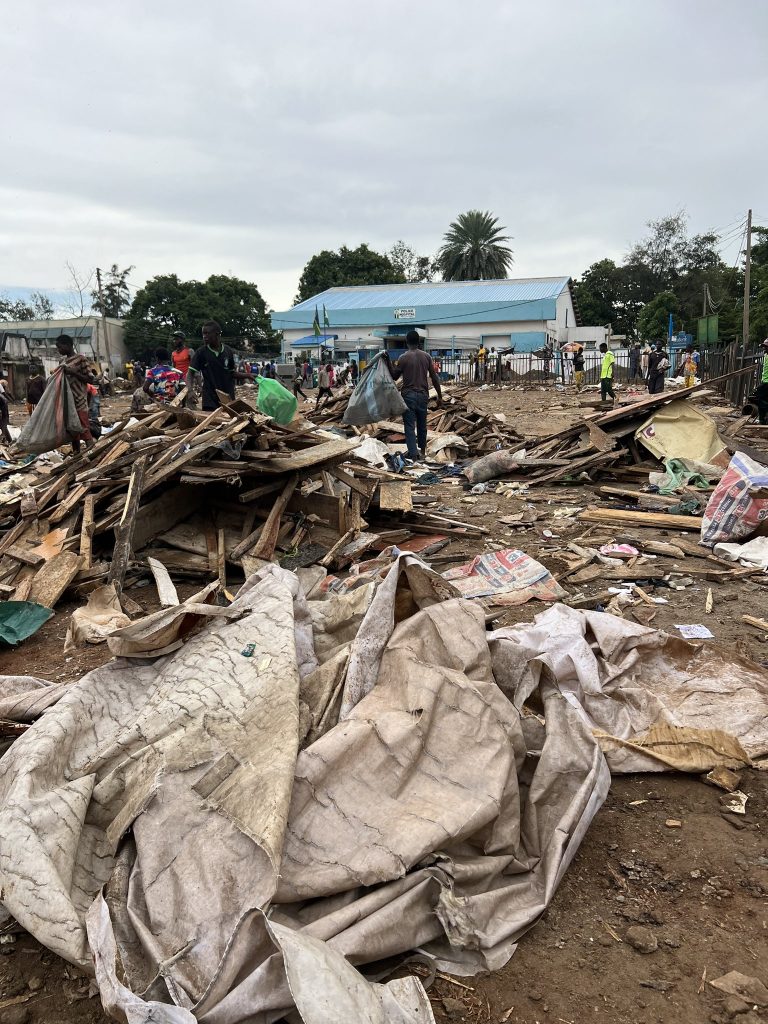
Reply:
x=413 y=267
x=166 y=304
x=666 y=261
x=116 y=297
x=37 y=307
x=653 y=320
x=758 y=290
x=472 y=248
x=329 y=269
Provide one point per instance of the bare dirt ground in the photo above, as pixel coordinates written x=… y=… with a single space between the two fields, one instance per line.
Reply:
x=698 y=892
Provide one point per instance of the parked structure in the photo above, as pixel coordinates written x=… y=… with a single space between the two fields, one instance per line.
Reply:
x=453 y=316
x=24 y=342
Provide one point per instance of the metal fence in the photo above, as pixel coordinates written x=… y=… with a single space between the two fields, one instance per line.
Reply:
x=534 y=368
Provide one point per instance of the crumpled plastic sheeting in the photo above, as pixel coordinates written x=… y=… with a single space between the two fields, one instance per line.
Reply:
x=752 y=553
x=655 y=701
x=177 y=787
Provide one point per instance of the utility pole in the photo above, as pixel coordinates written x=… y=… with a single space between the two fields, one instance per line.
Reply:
x=745 y=328
x=105 y=325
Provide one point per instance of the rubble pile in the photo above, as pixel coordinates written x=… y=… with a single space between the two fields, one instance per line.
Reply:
x=334 y=738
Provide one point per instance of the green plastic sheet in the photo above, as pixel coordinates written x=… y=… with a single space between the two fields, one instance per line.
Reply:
x=20 y=619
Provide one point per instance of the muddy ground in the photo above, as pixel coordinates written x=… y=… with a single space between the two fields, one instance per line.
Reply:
x=698 y=892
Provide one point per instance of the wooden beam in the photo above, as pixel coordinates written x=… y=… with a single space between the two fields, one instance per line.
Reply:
x=86 y=530
x=363 y=488
x=265 y=546
x=259 y=492
x=124 y=530
x=631 y=518
x=221 y=559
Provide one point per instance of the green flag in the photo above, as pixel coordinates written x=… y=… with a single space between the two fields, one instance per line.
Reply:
x=326 y=321
x=316 y=325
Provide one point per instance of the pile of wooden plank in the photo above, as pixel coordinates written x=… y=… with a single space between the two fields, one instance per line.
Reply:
x=480 y=431
x=188 y=496
x=600 y=443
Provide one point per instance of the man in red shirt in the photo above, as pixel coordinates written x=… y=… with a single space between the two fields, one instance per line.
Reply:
x=416 y=369
x=181 y=354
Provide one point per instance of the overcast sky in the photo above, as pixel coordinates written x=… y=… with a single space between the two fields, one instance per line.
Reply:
x=242 y=137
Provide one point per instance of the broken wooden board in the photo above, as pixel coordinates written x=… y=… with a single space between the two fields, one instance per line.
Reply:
x=265 y=545
x=313 y=456
x=664 y=520
x=165 y=512
x=395 y=495
x=50 y=582
x=331 y=511
x=166 y=591
x=602 y=441
x=23 y=555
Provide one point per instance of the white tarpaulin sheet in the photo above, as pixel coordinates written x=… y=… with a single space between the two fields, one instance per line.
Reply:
x=224 y=835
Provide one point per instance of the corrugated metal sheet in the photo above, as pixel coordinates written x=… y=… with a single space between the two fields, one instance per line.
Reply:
x=386 y=296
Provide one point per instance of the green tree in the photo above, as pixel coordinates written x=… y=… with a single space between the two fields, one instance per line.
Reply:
x=115 y=291
x=413 y=267
x=663 y=249
x=667 y=259
x=615 y=295
x=37 y=307
x=329 y=269
x=166 y=304
x=472 y=248
x=758 y=286
x=597 y=291
x=653 y=321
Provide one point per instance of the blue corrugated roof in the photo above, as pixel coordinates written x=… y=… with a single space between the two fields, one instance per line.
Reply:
x=529 y=299
x=434 y=293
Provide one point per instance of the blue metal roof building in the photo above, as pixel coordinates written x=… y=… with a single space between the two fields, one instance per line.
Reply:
x=459 y=314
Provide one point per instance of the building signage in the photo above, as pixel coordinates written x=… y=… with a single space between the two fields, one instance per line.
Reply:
x=405 y=314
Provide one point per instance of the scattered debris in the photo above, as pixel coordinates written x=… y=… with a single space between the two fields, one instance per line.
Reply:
x=723 y=778
x=750 y=989
x=735 y=802
x=695 y=632
x=642 y=939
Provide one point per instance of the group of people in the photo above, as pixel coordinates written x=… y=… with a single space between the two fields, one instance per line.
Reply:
x=649 y=364
x=203 y=372
x=328 y=377
x=487 y=364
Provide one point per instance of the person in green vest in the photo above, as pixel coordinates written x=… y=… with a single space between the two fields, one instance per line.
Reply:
x=606 y=374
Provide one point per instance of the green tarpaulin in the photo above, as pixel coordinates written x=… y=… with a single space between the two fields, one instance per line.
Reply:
x=20 y=619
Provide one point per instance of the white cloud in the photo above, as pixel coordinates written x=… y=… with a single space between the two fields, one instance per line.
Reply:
x=242 y=138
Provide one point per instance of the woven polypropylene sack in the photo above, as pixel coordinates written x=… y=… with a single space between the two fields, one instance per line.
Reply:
x=734 y=511
x=375 y=397
x=55 y=419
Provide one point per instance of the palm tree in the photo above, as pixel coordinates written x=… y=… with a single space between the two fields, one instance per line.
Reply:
x=472 y=249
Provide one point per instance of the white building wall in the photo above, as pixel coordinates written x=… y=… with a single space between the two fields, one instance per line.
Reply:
x=444 y=335
x=589 y=337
